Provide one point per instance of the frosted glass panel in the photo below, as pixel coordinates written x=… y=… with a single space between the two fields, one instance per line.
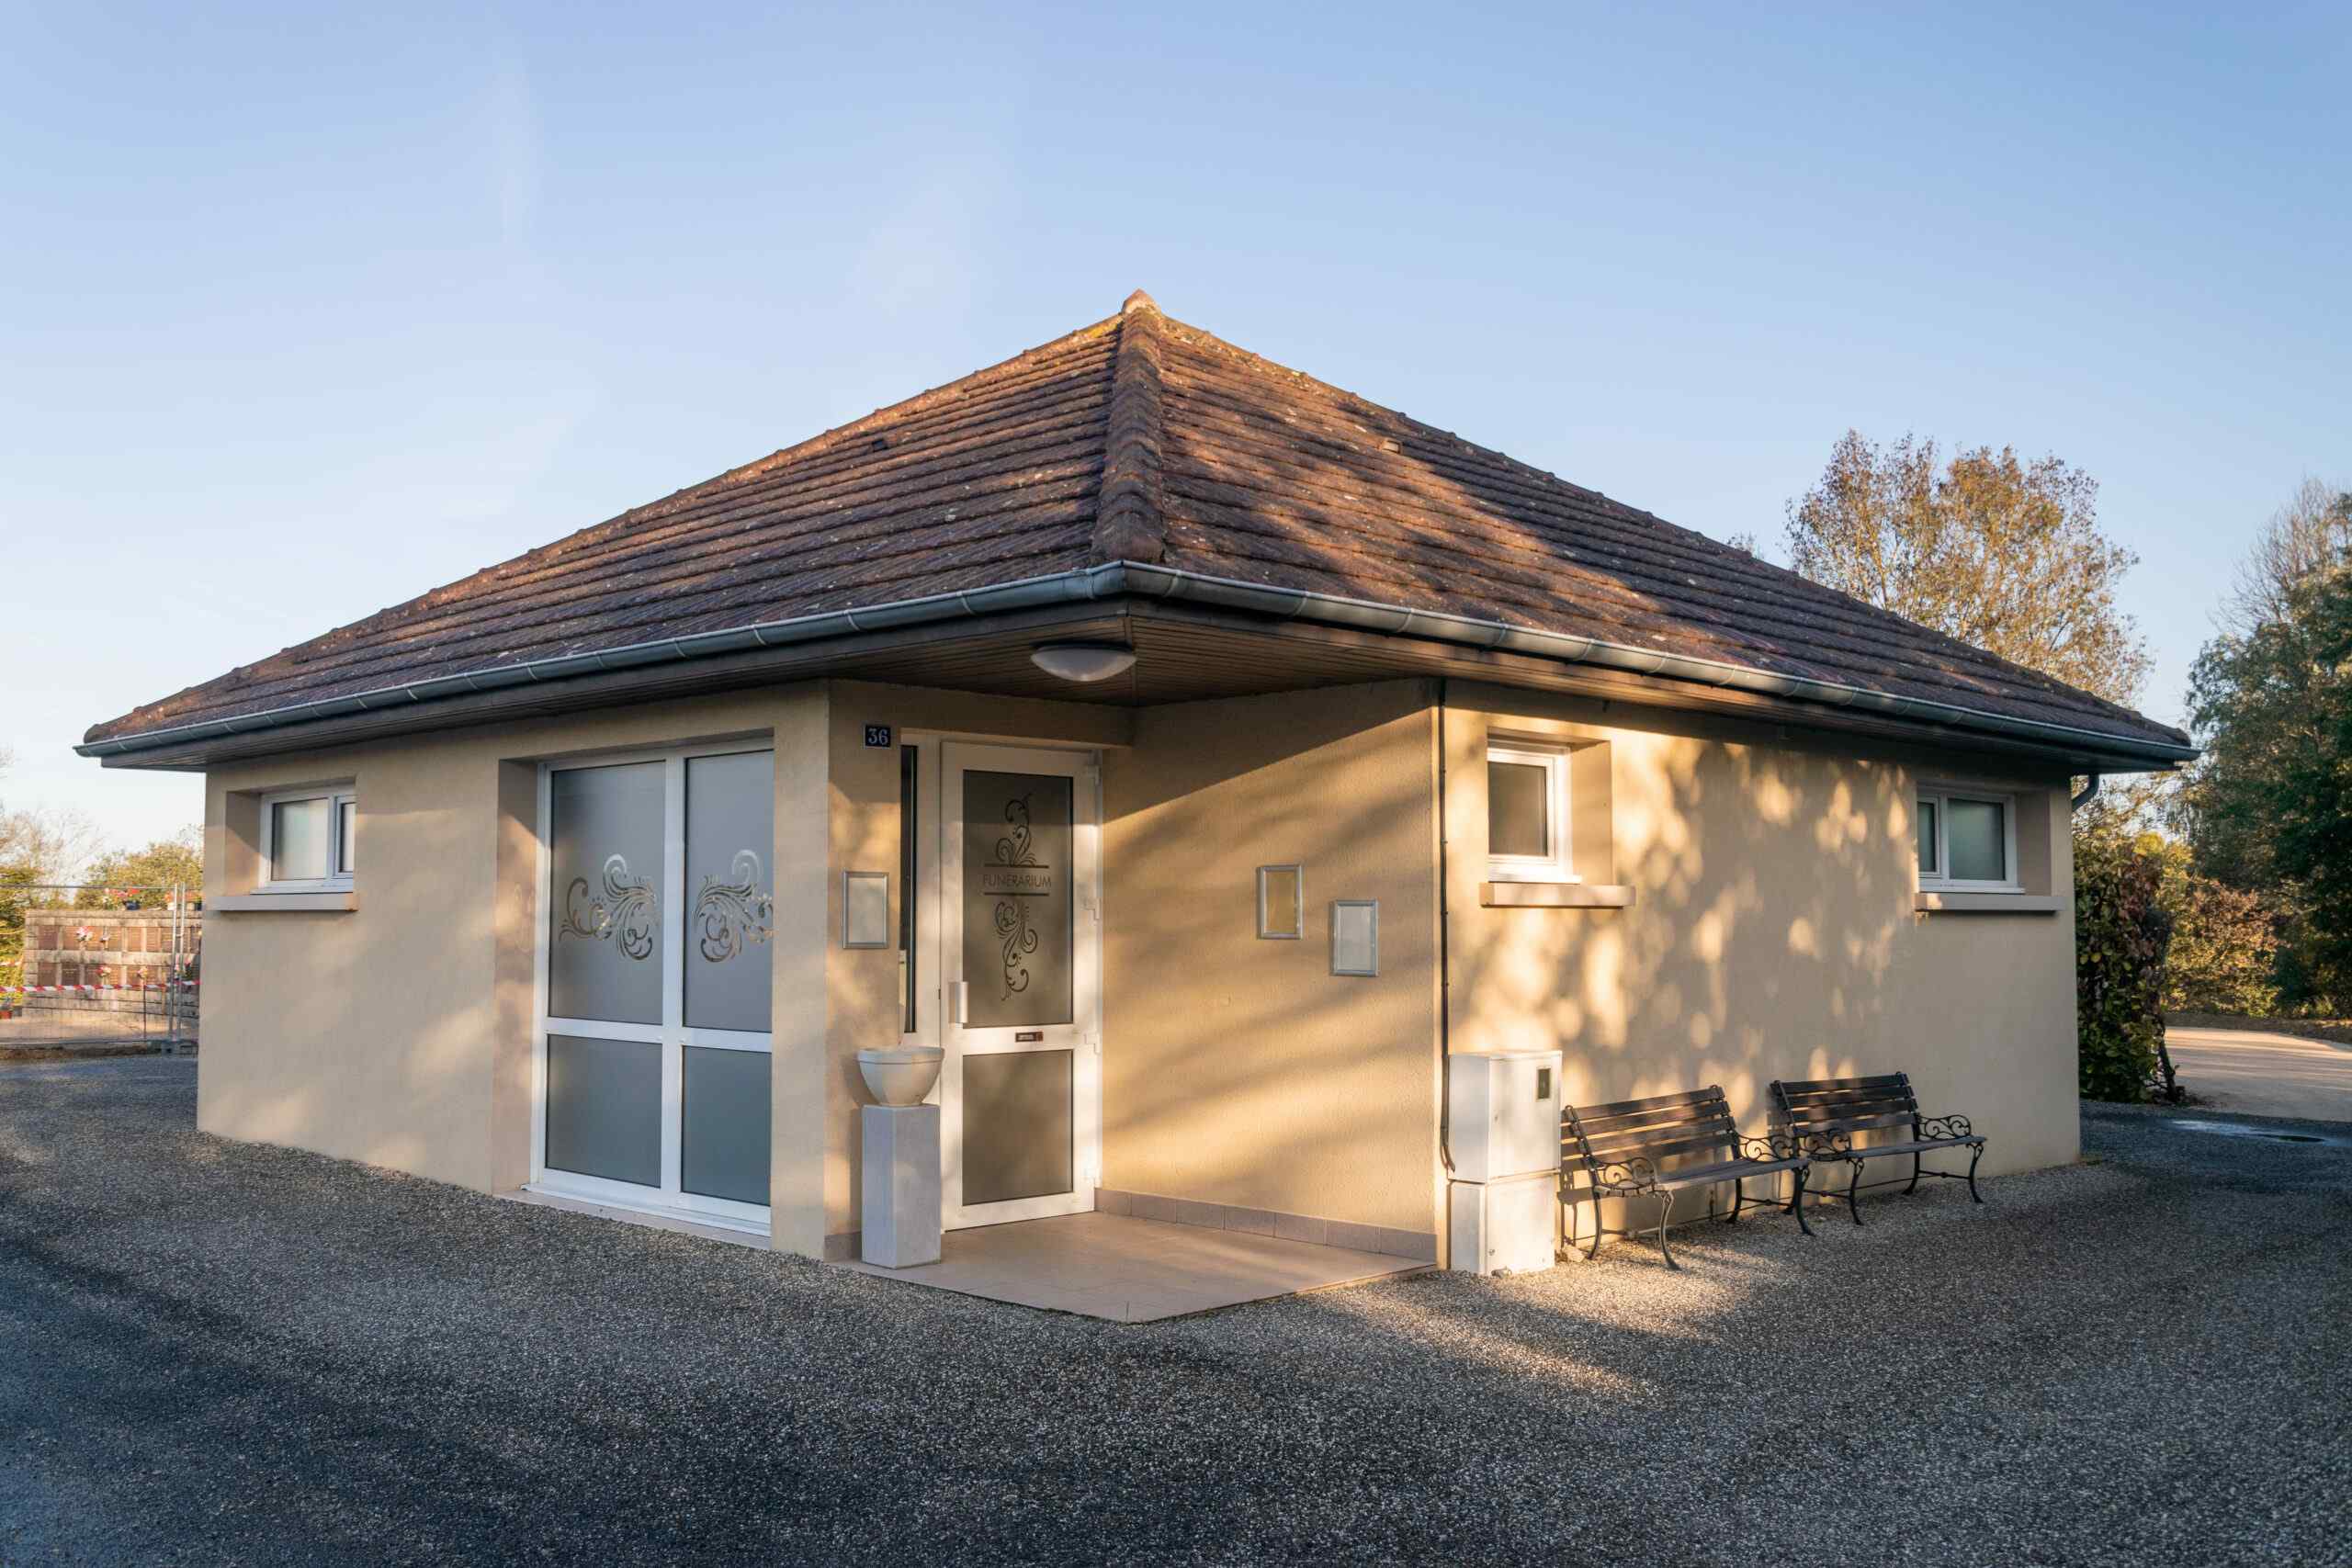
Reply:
x=1519 y=809
x=604 y=955
x=1355 y=937
x=1928 y=837
x=1018 y=928
x=1016 y=1125
x=724 y=1129
x=731 y=876
x=605 y=1108
x=298 y=840
x=1973 y=837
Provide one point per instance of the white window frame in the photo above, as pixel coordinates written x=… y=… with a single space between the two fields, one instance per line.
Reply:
x=1942 y=796
x=338 y=877
x=670 y=1200
x=1559 y=867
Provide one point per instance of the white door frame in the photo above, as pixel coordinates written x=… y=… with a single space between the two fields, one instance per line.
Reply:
x=671 y=1034
x=939 y=871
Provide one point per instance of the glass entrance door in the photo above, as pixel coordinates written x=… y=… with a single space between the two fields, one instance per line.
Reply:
x=654 y=1033
x=1018 y=958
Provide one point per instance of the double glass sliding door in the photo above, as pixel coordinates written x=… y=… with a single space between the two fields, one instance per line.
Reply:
x=655 y=983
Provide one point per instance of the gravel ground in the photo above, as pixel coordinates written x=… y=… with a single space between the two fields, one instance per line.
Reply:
x=218 y=1352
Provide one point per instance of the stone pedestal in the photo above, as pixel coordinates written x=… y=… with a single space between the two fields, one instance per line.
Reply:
x=900 y=1218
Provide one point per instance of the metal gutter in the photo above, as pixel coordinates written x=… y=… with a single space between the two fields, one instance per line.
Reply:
x=1121 y=579
x=1440 y=626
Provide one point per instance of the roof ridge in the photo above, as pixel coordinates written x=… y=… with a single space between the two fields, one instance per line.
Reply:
x=1131 y=512
x=638 y=516
x=1354 y=404
x=1078 y=457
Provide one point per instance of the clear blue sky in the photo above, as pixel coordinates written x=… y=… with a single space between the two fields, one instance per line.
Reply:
x=301 y=316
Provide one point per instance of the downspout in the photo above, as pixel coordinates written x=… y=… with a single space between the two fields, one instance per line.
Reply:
x=2090 y=792
x=1444 y=963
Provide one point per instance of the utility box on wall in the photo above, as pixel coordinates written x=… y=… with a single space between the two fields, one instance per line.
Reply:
x=1504 y=1131
x=1506 y=1113
x=1510 y=1226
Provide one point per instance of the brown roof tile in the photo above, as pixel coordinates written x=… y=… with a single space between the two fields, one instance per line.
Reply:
x=1140 y=439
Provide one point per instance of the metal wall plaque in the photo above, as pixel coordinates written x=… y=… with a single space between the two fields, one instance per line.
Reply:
x=877 y=735
x=1355 y=936
x=866 y=908
x=1281 y=903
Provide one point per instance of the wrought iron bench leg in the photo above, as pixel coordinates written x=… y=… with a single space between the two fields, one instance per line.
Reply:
x=1853 y=1192
x=1914 y=1176
x=1665 y=1212
x=1739 y=1196
x=1973 y=1159
x=1796 y=1202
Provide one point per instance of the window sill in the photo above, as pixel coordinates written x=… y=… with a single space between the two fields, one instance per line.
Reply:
x=283 y=903
x=1553 y=896
x=1930 y=902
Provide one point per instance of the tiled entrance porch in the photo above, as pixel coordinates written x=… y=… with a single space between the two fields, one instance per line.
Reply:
x=1132 y=1271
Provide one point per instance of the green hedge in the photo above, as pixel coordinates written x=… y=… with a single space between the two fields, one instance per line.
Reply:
x=2121 y=933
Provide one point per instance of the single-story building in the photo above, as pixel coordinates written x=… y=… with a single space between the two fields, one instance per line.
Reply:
x=1196 y=753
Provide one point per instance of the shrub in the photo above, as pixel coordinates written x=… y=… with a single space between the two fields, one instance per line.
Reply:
x=2225 y=955
x=2122 y=932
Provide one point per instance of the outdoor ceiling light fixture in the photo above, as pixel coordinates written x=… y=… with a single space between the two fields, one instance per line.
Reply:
x=1083 y=662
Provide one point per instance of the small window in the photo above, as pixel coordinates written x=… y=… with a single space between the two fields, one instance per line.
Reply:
x=309 y=841
x=1967 y=840
x=1527 y=814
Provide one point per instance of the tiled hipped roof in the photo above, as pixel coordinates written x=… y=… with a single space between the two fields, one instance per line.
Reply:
x=1140 y=439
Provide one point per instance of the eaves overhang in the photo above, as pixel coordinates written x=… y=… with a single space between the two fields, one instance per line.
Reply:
x=1133 y=580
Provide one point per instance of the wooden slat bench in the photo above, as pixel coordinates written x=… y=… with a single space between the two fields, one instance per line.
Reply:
x=1621 y=1151
x=1822 y=1117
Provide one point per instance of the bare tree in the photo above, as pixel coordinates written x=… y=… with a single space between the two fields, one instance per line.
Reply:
x=2313 y=529
x=1994 y=551
x=51 y=845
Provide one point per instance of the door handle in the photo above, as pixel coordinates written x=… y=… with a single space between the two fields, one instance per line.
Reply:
x=963 y=1003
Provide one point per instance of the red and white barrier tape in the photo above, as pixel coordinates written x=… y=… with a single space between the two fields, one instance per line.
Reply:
x=81 y=990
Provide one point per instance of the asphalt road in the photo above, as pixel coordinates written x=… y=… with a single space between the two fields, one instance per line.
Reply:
x=2255 y=1074
x=222 y=1353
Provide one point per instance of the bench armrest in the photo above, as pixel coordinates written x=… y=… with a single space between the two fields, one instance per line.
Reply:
x=1623 y=1177
x=1770 y=1147
x=1946 y=1127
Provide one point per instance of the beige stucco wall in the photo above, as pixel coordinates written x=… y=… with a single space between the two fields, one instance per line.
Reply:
x=1242 y=1071
x=399 y=1034
x=404 y=1036
x=1772 y=932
